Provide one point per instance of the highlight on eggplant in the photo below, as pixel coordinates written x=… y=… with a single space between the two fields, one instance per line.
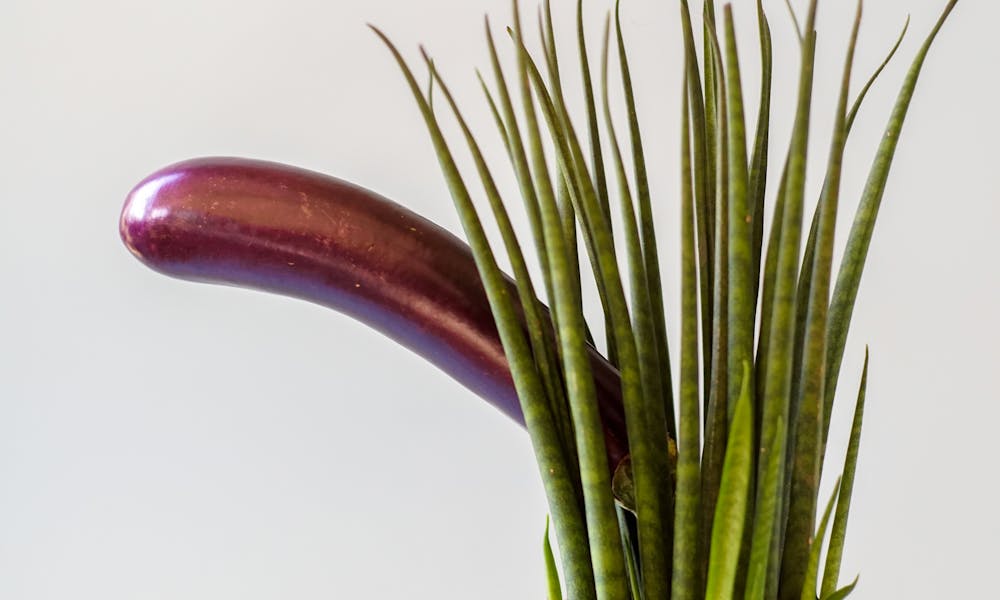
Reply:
x=287 y=230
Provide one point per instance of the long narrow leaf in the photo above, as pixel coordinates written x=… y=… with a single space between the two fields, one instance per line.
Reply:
x=871 y=80
x=816 y=545
x=758 y=162
x=717 y=419
x=545 y=191
x=551 y=571
x=740 y=298
x=687 y=514
x=703 y=188
x=645 y=324
x=611 y=568
x=831 y=571
x=596 y=155
x=764 y=528
x=778 y=373
x=712 y=79
x=647 y=232
x=537 y=325
x=630 y=549
x=807 y=383
x=570 y=524
x=730 y=513
x=843 y=592
x=571 y=174
x=644 y=415
x=849 y=277
x=643 y=320
x=546 y=355
x=518 y=155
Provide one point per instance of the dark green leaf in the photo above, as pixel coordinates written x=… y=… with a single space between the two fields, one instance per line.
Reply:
x=703 y=181
x=687 y=514
x=758 y=163
x=717 y=418
x=647 y=230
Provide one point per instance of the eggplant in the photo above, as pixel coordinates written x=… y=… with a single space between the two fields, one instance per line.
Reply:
x=282 y=229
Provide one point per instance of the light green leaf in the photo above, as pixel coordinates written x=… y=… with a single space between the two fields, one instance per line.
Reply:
x=842 y=592
x=551 y=571
x=815 y=546
x=767 y=507
x=831 y=572
x=730 y=513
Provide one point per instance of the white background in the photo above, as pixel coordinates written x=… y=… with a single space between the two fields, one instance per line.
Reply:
x=161 y=439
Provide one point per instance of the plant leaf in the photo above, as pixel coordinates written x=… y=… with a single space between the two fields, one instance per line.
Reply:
x=687 y=512
x=831 y=572
x=572 y=171
x=808 y=380
x=779 y=359
x=646 y=428
x=596 y=156
x=546 y=354
x=570 y=524
x=740 y=297
x=763 y=529
x=630 y=550
x=730 y=513
x=551 y=571
x=871 y=80
x=717 y=418
x=815 y=546
x=758 y=162
x=538 y=326
x=647 y=231
x=842 y=592
x=703 y=188
x=849 y=277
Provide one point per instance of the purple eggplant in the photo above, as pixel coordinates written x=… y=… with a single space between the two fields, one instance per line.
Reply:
x=295 y=232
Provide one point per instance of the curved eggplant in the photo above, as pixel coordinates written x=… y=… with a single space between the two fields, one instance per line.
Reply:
x=295 y=232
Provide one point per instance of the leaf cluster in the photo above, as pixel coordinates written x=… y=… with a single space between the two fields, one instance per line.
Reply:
x=719 y=496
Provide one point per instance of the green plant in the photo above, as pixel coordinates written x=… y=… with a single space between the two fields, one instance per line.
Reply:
x=731 y=509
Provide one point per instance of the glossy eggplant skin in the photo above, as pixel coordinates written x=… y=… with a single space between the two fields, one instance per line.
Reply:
x=299 y=233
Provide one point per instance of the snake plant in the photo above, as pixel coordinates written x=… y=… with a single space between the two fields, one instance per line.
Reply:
x=691 y=477
x=719 y=494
